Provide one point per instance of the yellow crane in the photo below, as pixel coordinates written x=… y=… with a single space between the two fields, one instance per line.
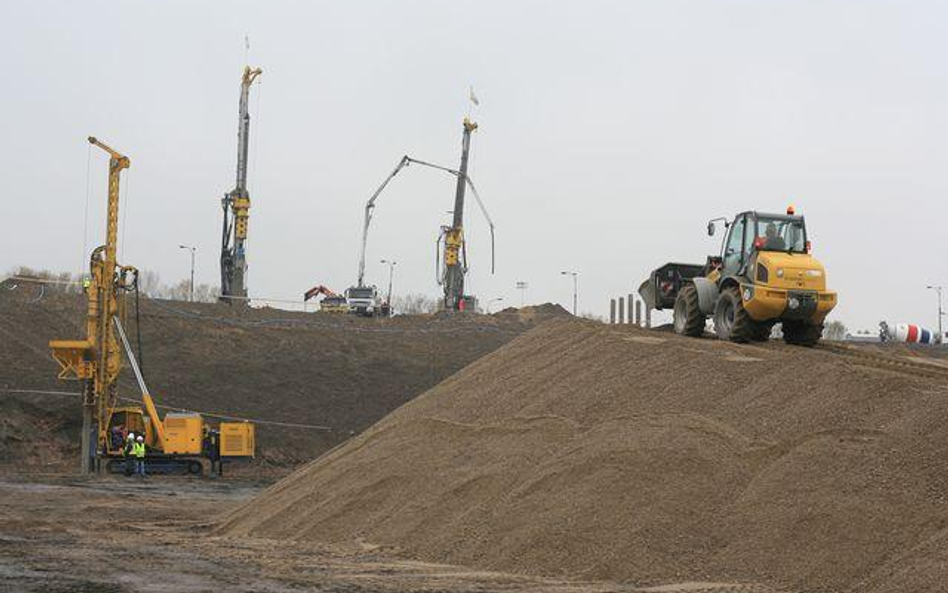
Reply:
x=181 y=439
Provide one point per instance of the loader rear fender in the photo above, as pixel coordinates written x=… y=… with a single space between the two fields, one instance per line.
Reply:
x=707 y=294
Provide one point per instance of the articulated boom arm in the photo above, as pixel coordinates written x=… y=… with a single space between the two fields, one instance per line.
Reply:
x=312 y=292
x=370 y=205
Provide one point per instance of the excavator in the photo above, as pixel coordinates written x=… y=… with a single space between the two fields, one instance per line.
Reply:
x=236 y=206
x=450 y=273
x=179 y=442
x=331 y=303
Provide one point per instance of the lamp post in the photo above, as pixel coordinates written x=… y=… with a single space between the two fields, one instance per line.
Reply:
x=496 y=300
x=391 y=272
x=941 y=312
x=192 y=250
x=574 y=275
x=522 y=287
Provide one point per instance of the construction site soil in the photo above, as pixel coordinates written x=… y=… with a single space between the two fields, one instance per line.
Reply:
x=310 y=380
x=612 y=453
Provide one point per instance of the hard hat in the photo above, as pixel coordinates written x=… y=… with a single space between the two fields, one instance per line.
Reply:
x=131 y=436
x=140 y=439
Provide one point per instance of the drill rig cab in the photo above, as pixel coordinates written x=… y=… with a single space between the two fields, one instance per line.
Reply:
x=764 y=275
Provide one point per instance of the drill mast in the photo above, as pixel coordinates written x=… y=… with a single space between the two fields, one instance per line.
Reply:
x=97 y=360
x=455 y=256
x=236 y=204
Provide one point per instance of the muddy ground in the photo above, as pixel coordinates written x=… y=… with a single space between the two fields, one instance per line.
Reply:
x=61 y=533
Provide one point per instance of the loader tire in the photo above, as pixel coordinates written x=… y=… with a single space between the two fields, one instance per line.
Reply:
x=802 y=333
x=688 y=318
x=731 y=320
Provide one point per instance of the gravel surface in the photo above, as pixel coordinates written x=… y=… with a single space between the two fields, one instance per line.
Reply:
x=614 y=453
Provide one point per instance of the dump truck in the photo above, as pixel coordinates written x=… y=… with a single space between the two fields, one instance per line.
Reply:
x=765 y=274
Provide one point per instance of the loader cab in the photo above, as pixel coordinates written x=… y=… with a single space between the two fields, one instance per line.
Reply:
x=758 y=231
x=735 y=248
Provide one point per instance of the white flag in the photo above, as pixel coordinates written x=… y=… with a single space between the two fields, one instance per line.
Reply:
x=474 y=97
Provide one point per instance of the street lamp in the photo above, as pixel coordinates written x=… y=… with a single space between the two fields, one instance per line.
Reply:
x=391 y=272
x=522 y=287
x=941 y=312
x=574 y=275
x=192 y=250
x=496 y=300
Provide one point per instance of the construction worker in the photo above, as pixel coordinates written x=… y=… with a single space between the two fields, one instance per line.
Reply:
x=128 y=453
x=772 y=240
x=139 y=452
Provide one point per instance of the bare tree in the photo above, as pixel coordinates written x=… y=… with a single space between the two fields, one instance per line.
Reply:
x=835 y=331
x=149 y=282
x=62 y=282
x=415 y=304
x=205 y=293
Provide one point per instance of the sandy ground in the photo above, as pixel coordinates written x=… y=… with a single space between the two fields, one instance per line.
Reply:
x=62 y=533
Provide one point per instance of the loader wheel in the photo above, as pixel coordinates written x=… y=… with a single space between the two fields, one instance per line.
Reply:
x=688 y=318
x=802 y=333
x=731 y=320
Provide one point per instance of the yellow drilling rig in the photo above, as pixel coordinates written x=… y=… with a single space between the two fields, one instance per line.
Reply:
x=178 y=443
x=236 y=205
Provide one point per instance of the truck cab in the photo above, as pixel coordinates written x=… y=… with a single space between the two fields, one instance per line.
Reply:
x=363 y=300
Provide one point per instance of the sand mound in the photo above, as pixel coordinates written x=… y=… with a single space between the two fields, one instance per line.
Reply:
x=617 y=453
x=533 y=313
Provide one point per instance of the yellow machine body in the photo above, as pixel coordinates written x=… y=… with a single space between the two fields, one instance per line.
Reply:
x=184 y=434
x=786 y=274
x=453 y=241
x=238 y=439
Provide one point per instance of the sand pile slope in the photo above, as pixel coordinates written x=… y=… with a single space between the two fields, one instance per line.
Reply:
x=617 y=453
x=342 y=371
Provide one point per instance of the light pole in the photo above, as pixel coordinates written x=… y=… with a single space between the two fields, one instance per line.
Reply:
x=574 y=275
x=941 y=312
x=391 y=272
x=522 y=287
x=497 y=300
x=192 y=250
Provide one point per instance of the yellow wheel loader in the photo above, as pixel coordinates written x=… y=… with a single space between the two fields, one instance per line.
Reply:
x=765 y=275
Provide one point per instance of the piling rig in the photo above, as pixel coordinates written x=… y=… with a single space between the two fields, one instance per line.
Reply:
x=180 y=441
x=236 y=206
x=96 y=360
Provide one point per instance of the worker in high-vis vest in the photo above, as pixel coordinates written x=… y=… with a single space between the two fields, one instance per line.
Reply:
x=139 y=452
x=128 y=453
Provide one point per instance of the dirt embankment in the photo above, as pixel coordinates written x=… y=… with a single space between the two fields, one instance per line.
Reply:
x=616 y=453
x=284 y=368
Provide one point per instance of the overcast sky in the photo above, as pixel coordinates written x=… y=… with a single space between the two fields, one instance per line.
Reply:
x=610 y=132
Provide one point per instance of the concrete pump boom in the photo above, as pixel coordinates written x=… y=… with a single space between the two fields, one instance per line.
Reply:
x=236 y=204
x=370 y=205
